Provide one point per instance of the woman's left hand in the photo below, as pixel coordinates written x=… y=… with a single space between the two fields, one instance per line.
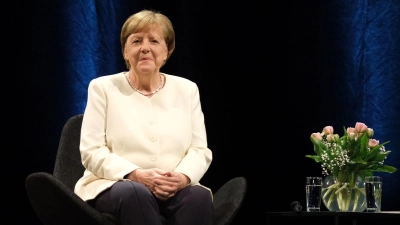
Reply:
x=167 y=186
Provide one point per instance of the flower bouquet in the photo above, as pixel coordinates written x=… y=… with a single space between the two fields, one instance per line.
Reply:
x=346 y=161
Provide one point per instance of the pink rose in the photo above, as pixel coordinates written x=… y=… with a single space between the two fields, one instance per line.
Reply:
x=373 y=142
x=317 y=136
x=351 y=130
x=360 y=127
x=328 y=130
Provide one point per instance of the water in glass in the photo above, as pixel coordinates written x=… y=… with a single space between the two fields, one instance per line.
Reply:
x=373 y=191
x=313 y=194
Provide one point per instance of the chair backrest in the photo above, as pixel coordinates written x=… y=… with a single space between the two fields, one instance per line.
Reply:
x=228 y=200
x=68 y=166
x=68 y=169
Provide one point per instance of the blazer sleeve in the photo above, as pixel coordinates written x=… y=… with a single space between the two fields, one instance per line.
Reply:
x=96 y=156
x=198 y=157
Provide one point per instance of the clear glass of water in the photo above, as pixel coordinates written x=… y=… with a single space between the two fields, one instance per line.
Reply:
x=373 y=192
x=313 y=193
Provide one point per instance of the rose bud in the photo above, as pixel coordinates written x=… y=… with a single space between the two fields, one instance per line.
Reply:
x=327 y=130
x=360 y=127
x=317 y=136
x=370 y=132
x=373 y=142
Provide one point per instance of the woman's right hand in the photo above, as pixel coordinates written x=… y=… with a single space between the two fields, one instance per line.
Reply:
x=147 y=176
x=161 y=183
x=167 y=186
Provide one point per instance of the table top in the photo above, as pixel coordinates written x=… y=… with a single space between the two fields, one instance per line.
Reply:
x=330 y=213
x=333 y=218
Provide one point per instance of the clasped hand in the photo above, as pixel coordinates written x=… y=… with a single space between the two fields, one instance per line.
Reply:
x=161 y=183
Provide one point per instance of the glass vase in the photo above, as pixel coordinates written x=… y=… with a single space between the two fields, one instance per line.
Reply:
x=341 y=197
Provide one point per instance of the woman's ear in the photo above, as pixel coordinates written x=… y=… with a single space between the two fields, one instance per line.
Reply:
x=125 y=54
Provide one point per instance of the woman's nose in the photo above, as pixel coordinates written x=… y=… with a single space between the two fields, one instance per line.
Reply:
x=145 y=47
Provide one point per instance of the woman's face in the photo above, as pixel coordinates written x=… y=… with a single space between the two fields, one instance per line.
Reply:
x=146 y=50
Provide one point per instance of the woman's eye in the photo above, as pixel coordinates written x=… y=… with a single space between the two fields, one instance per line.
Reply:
x=155 y=41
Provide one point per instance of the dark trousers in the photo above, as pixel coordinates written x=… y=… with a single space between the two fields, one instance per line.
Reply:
x=133 y=204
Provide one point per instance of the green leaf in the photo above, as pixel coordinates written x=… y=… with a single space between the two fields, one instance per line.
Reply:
x=343 y=142
x=375 y=148
x=380 y=156
x=364 y=144
x=389 y=169
x=384 y=143
x=365 y=173
x=318 y=146
x=315 y=157
x=386 y=152
x=358 y=160
x=382 y=168
x=371 y=154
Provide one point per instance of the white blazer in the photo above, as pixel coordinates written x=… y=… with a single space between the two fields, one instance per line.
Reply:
x=123 y=130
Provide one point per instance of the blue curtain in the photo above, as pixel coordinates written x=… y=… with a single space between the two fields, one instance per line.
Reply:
x=89 y=47
x=359 y=59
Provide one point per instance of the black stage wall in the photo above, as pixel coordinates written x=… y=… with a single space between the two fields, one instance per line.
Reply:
x=269 y=74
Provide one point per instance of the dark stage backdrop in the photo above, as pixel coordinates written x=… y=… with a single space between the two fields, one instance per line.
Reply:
x=269 y=74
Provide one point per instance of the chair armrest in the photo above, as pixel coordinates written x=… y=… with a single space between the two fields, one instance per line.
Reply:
x=55 y=203
x=228 y=200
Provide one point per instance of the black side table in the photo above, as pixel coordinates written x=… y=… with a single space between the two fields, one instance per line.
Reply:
x=333 y=218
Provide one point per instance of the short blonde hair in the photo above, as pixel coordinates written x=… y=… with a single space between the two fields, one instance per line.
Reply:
x=145 y=19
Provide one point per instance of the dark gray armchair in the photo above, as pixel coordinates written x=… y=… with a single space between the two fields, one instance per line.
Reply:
x=55 y=203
